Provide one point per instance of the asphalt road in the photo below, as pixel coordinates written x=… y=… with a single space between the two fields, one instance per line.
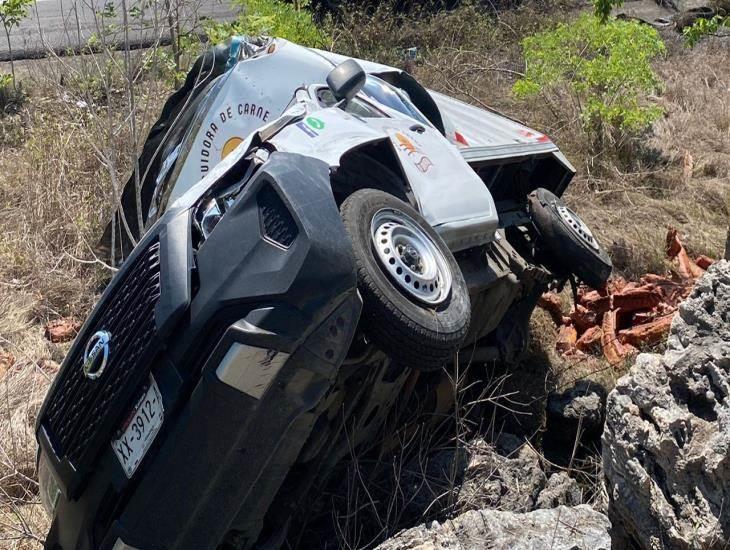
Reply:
x=63 y=25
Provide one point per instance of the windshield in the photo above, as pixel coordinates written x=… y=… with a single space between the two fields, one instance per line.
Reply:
x=392 y=97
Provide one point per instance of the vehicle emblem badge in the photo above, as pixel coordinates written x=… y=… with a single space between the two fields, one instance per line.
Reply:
x=96 y=354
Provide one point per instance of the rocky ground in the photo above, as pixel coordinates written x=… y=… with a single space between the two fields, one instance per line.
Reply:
x=666 y=444
x=578 y=527
x=665 y=455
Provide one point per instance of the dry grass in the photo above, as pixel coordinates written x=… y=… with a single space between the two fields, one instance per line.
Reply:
x=688 y=187
x=55 y=197
x=23 y=523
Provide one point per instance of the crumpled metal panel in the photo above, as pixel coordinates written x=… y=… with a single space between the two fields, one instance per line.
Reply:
x=488 y=134
x=449 y=194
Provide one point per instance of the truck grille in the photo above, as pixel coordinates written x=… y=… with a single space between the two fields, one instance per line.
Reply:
x=81 y=412
x=277 y=222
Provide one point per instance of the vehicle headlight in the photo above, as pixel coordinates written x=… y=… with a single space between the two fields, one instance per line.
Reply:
x=211 y=209
x=208 y=215
x=49 y=489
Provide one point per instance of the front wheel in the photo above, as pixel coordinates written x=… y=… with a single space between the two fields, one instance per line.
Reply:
x=415 y=301
x=568 y=242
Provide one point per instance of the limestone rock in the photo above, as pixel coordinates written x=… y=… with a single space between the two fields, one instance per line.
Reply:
x=491 y=480
x=579 y=407
x=561 y=490
x=562 y=528
x=666 y=442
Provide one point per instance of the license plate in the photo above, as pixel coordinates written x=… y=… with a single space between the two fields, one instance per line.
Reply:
x=138 y=431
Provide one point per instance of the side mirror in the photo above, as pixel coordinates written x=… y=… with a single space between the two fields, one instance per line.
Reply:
x=346 y=80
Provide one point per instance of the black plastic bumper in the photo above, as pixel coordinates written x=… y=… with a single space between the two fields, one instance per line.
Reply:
x=259 y=283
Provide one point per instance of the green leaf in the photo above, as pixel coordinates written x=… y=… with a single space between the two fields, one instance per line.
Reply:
x=271 y=17
x=606 y=66
x=12 y=12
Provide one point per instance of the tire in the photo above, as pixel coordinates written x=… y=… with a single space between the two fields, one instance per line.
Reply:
x=421 y=331
x=569 y=244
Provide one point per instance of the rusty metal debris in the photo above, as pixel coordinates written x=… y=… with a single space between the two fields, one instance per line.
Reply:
x=7 y=360
x=649 y=333
x=686 y=268
x=567 y=338
x=551 y=303
x=613 y=350
x=590 y=340
x=625 y=316
x=61 y=330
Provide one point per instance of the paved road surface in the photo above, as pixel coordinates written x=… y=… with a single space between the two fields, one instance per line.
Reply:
x=68 y=24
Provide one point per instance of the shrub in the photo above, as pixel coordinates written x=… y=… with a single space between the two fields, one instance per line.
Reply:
x=384 y=32
x=603 y=8
x=605 y=67
x=704 y=27
x=270 y=17
x=12 y=95
x=12 y=12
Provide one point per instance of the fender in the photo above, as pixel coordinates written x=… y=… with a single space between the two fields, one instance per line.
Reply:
x=448 y=193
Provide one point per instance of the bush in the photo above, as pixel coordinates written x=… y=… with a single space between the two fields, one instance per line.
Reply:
x=12 y=95
x=12 y=12
x=270 y=17
x=604 y=67
x=704 y=27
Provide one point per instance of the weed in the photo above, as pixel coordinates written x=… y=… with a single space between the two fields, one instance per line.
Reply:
x=270 y=17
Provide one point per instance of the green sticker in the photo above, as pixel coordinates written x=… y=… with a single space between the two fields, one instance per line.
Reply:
x=315 y=123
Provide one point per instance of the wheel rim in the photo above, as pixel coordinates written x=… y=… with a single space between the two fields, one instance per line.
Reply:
x=578 y=227
x=409 y=255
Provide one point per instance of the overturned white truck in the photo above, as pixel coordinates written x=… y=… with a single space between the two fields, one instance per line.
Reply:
x=314 y=230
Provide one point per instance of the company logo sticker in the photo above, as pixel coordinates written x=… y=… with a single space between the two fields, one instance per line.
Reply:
x=315 y=123
x=419 y=160
x=306 y=129
x=239 y=119
x=405 y=143
x=230 y=145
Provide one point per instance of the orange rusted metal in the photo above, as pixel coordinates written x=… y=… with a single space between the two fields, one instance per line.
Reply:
x=630 y=299
x=62 y=330
x=648 y=333
x=596 y=302
x=567 y=337
x=551 y=303
x=686 y=268
x=583 y=318
x=634 y=299
x=654 y=279
x=674 y=246
x=625 y=314
x=591 y=296
x=703 y=262
x=673 y=292
x=590 y=340
x=613 y=350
